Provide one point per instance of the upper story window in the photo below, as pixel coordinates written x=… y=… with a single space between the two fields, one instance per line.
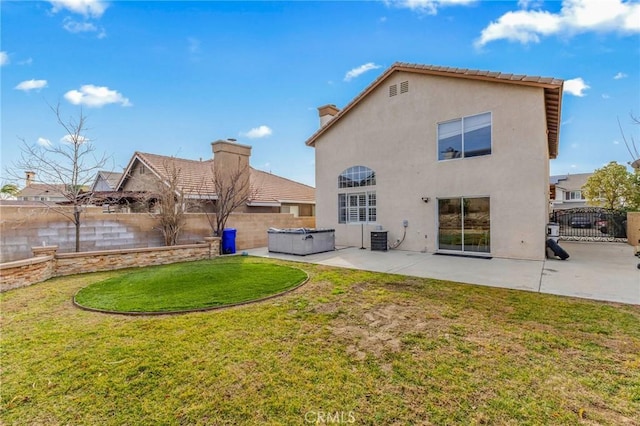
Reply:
x=357 y=176
x=573 y=196
x=465 y=137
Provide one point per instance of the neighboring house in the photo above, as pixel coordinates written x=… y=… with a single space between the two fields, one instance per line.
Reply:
x=444 y=160
x=566 y=190
x=105 y=181
x=41 y=192
x=268 y=193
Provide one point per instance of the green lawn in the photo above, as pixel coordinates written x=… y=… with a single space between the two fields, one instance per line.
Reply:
x=189 y=286
x=375 y=348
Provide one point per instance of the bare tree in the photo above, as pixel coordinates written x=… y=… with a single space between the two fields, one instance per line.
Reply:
x=232 y=187
x=634 y=151
x=66 y=168
x=169 y=203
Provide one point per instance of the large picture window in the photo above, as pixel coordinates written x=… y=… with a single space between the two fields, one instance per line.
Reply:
x=465 y=137
x=464 y=224
x=354 y=204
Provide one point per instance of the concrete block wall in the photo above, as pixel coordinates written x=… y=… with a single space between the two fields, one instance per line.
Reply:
x=23 y=227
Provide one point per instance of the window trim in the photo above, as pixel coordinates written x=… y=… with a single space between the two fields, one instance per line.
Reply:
x=369 y=178
x=568 y=195
x=355 y=182
x=462 y=152
x=346 y=211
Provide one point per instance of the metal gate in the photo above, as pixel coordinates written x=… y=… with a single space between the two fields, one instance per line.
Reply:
x=591 y=224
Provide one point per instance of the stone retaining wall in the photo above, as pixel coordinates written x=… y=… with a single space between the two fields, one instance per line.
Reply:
x=22 y=273
x=47 y=263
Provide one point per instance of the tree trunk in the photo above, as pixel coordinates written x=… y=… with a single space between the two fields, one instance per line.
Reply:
x=76 y=220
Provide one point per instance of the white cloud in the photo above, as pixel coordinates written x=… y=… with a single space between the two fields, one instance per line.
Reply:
x=28 y=85
x=620 y=75
x=574 y=145
x=575 y=87
x=86 y=8
x=427 y=6
x=4 y=58
x=96 y=96
x=355 y=72
x=529 y=4
x=78 y=27
x=69 y=139
x=44 y=142
x=258 y=132
x=576 y=16
x=605 y=96
x=616 y=142
x=28 y=61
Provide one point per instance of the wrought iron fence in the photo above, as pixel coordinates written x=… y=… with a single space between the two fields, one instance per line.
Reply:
x=591 y=224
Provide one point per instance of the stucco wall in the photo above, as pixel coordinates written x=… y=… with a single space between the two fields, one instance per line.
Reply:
x=633 y=228
x=22 y=228
x=397 y=138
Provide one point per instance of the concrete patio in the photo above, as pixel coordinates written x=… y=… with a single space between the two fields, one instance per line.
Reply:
x=598 y=271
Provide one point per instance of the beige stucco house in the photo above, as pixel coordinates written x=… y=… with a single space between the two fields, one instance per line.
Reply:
x=444 y=160
x=267 y=193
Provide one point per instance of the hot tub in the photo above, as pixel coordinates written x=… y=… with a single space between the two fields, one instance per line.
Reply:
x=301 y=241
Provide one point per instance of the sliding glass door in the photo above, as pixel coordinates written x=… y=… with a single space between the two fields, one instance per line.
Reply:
x=464 y=224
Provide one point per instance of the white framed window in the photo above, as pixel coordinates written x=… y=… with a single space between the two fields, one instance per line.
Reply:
x=354 y=204
x=357 y=207
x=573 y=196
x=465 y=137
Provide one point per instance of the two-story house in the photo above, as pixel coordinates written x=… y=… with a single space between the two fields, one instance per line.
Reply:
x=566 y=190
x=444 y=160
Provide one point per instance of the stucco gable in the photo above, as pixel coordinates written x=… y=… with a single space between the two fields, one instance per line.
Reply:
x=552 y=89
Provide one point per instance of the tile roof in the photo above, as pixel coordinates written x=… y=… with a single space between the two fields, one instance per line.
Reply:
x=112 y=178
x=195 y=176
x=552 y=93
x=266 y=186
x=55 y=191
x=196 y=179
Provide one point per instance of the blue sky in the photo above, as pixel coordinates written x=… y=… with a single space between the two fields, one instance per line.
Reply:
x=171 y=77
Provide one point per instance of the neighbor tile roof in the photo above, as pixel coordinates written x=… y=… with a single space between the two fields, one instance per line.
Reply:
x=552 y=93
x=197 y=178
x=266 y=186
x=55 y=191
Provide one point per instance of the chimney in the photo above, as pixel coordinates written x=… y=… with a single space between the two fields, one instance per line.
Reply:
x=327 y=113
x=29 y=178
x=231 y=160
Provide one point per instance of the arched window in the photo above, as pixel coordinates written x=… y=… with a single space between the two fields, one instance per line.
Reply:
x=357 y=176
x=354 y=205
